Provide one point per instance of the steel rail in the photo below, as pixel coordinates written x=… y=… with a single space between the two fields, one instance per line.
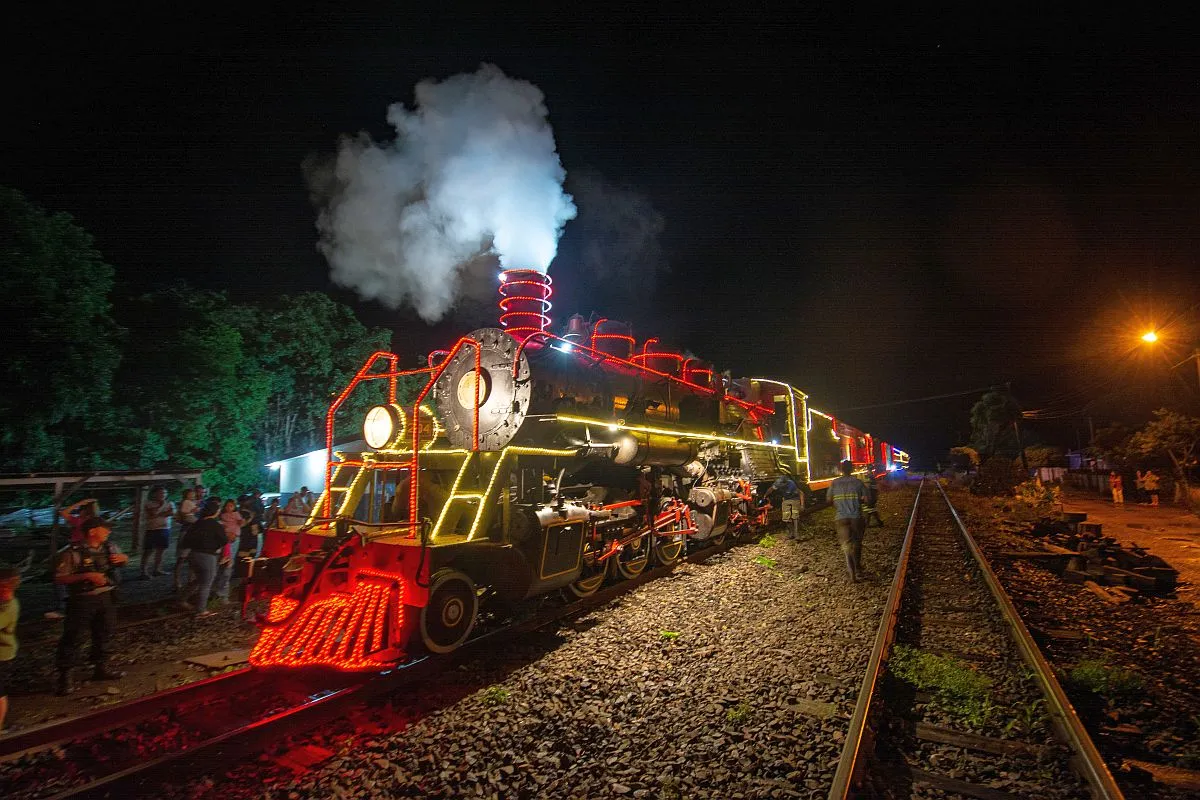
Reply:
x=858 y=737
x=330 y=705
x=1088 y=761
x=62 y=731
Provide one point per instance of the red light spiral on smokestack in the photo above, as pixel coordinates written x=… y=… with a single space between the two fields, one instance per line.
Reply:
x=524 y=302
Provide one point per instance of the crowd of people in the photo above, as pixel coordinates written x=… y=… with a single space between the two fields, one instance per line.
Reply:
x=210 y=536
x=1146 y=487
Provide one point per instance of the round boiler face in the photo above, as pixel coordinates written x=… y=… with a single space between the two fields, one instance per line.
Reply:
x=381 y=427
x=504 y=391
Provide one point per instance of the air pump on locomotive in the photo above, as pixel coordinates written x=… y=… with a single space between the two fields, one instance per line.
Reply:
x=529 y=463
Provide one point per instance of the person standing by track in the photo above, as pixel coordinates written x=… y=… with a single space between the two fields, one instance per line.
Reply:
x=74 y=515
x=189 y=507
x=848 y=495
x=85 y=569
x=206 y=540
x=10 y=610
x=159 y=511
x=1151 y=481
x=1118 y=488
x=786 y=494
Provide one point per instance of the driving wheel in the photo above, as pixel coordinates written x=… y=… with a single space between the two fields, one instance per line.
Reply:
x=447 y=620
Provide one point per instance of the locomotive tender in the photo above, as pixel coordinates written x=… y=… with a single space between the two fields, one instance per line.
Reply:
x=529 y=463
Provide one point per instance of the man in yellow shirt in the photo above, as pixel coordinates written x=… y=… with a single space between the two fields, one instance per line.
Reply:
x=10 y=610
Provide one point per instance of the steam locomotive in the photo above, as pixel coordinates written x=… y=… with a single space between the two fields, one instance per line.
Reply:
x=529 y=463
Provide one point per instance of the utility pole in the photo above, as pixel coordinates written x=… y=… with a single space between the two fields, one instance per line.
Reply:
x=1017 y=431
x=1021 y=447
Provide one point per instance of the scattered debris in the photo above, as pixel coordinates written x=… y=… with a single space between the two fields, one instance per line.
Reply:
x=1080 y=552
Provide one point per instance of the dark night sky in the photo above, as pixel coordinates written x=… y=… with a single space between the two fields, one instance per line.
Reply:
x=875 y=209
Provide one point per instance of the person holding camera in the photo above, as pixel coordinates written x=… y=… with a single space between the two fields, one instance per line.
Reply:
x=86 y=569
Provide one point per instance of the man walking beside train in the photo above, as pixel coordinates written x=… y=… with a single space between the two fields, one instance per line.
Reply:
x=848 y=495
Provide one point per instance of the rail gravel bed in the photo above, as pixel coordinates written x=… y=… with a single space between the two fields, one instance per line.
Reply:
x=731 y=679
x=1151 y=726
x=152 y=653
x=946 y=612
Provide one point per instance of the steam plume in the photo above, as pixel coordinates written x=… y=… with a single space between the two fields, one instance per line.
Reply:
x=473 y=169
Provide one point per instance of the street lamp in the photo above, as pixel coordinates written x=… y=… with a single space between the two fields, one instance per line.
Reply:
x=1151 y=336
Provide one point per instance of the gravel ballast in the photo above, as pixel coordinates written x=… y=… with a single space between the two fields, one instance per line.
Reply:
x=1151 y=643
x=729 y=679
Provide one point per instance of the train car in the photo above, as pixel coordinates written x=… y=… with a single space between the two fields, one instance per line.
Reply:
x=528 y=463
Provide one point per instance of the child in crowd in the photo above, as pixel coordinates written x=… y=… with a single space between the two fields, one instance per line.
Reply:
x=10 y=609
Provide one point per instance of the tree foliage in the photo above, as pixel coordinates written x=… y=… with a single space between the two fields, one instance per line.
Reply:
x=969 y=453
x=309 y=347
x=193 y=389
x=992 y=420
x=1112 y=443
x=193 y=379
x=1174 y=435
x=61 y=346
x=1041 y=455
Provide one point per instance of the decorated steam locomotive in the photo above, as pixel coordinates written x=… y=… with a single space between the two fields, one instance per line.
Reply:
x=529 y=463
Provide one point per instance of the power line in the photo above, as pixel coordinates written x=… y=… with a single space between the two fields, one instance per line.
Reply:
x=921 y=399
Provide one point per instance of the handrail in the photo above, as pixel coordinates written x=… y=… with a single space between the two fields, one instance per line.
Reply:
x=600 y=355
x=363 y=374
x=413 y=468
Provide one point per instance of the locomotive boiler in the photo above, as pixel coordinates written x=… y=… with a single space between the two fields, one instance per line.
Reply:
x=530 y=462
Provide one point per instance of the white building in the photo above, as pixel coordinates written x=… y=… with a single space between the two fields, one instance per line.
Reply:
x=308 y=469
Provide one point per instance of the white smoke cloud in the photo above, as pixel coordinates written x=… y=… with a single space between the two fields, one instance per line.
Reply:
x=473 y=169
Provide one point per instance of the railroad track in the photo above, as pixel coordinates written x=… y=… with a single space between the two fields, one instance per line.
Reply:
x=230 y=716
x=957 y=701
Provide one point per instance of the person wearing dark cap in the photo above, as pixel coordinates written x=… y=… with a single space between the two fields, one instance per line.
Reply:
x=84 y=568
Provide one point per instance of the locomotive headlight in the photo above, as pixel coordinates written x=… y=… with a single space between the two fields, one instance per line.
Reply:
x=466 y=391
x=384 y=426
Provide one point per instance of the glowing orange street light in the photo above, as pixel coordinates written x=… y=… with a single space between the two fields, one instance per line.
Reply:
x=1150 y=336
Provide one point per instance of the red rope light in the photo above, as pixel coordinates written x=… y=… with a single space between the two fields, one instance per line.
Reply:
x=364 y=374
x=600 y=355
x=333 y=631
x=414 y=482
x=524 y=302
x=596 y=335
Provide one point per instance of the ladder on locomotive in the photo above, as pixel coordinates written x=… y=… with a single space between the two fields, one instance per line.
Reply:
x=473 y=490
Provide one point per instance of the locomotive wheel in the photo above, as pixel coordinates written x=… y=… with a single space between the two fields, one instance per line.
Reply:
x=669 y=548
x=633 y=558
x=447 y=620
x=592 y=575
x=716 y=541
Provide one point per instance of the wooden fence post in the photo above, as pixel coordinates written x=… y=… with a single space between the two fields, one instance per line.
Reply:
x=139 y=518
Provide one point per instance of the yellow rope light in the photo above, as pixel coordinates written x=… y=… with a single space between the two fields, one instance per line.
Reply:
x=666 y=432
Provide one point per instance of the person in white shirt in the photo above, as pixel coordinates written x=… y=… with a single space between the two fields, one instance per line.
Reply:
x=158 y=511
x=296 y=512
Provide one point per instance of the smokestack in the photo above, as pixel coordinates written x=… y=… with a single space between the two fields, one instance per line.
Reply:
x=524 y=302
